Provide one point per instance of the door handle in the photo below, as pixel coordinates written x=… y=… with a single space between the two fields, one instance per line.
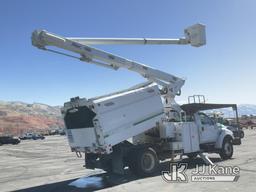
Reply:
x=202 y=128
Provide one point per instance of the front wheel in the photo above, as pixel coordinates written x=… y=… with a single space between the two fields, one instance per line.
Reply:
x=242 y=134
x=226 y=151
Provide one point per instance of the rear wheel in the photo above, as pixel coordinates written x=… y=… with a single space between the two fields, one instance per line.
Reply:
x=144 y=162
x=227 y=149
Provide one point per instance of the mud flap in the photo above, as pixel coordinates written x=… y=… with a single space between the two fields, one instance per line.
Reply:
x=117 y=162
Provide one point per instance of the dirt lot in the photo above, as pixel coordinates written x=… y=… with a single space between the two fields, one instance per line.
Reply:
x=48 y=165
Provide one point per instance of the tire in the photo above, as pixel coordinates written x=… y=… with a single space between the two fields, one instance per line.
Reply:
x=192 y=155
x=144 y=162
x=242 y=134
x=226 y=151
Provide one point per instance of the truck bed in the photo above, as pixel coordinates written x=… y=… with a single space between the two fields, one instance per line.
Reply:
x=97 y=124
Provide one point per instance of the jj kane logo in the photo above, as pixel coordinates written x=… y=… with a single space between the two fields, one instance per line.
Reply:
x=211 y=173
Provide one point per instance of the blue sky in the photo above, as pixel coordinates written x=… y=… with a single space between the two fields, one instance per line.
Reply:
x=223 y=70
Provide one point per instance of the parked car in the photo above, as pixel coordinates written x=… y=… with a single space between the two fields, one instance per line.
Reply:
x=32 y=136
x=238 y=132
x=234 y=127
x=62 y=132
x=53 y=132
x=9 y=140
x=26 y=136
x=38 y=136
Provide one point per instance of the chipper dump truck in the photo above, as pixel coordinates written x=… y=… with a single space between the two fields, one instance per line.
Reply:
x=139 y=126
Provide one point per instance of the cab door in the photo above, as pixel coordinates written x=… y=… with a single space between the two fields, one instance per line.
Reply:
x=209 y=131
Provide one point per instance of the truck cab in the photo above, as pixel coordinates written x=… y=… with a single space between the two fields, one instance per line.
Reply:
x=209 y=130
x=213 y=137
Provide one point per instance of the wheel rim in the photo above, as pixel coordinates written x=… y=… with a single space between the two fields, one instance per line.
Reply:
x=228 y=148
x=148 y=162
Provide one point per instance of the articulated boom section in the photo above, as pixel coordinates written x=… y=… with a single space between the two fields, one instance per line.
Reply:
x=194 y=35
x=41 y=39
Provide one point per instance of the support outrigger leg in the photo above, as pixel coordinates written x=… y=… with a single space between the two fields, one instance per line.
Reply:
x=206 y=159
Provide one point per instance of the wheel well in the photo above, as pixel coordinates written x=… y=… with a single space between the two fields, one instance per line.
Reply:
x=228 y=137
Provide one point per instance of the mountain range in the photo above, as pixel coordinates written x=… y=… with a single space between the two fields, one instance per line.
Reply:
x=19 y=117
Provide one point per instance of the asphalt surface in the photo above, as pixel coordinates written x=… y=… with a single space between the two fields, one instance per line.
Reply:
x=48 y=165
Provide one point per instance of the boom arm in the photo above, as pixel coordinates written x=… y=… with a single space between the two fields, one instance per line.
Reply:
x=195 y=35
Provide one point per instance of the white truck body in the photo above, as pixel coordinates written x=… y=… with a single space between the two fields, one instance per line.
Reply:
x=96 y=125
x=99 y=127
x=186 y=135
x=116 y=118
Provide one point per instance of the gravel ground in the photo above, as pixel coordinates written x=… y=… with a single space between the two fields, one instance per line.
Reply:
x=48 y=165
